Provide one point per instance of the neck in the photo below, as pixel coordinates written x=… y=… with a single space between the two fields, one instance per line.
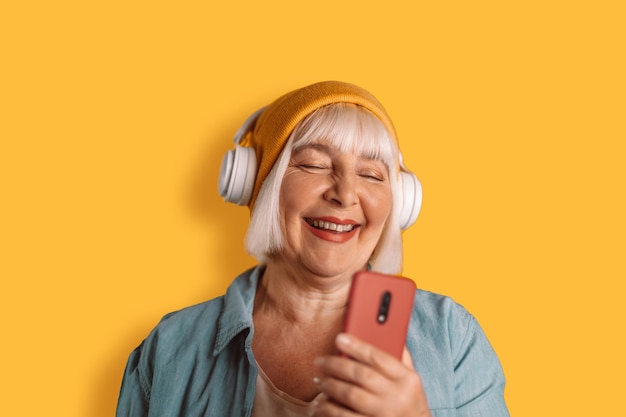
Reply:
x=301 y=297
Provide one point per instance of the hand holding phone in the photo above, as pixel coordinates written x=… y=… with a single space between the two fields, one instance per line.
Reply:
x=379 y=310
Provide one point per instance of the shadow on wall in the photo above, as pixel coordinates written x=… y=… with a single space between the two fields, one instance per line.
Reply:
x=224 y=262
x=106 y=384
x=225 y=223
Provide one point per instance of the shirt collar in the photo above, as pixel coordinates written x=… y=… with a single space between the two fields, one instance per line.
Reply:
x=236 y=314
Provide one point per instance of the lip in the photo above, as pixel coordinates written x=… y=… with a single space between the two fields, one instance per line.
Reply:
x=330 y=235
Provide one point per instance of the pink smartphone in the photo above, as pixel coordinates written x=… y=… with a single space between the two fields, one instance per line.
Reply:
x=379 y=310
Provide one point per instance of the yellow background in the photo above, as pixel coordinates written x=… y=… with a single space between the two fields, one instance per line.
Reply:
x=114 y=117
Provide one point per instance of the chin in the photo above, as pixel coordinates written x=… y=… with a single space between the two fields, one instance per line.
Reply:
x=333 y=269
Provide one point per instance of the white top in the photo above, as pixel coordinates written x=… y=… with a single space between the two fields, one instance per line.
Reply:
x=269 y=401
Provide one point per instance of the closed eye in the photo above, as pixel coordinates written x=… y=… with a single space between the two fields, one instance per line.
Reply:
x=373 y=176
x=312 y=166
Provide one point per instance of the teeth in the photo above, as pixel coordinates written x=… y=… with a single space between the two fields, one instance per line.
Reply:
x=320 y=224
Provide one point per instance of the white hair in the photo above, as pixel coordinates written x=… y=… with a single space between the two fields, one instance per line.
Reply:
x=349 y=128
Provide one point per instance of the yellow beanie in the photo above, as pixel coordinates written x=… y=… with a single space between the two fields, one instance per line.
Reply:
x=276 y=123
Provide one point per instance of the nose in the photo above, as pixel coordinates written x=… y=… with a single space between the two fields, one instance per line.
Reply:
x=343 y=190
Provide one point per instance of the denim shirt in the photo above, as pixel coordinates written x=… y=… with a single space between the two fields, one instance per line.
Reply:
x=199 y=361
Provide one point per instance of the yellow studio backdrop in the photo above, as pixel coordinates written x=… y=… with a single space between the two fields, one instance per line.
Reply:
x=115 y=115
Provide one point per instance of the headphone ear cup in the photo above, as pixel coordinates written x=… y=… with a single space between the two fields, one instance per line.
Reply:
x=237 y=175
x=411 y=199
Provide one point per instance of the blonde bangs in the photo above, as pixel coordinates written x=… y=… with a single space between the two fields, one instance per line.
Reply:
x=349 y=128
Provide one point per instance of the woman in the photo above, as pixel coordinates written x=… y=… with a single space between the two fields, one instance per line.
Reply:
x=327 y=200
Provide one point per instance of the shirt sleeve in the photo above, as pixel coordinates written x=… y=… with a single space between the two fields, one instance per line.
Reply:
x=479 y=379
x=134 y=399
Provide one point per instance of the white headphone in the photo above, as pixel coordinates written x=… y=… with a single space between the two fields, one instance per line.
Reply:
x=239 y=168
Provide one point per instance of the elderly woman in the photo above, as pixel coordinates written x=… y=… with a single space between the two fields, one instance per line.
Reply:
x=322 y=174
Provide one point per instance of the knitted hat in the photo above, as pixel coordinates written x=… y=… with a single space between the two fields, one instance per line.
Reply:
x=276 y=123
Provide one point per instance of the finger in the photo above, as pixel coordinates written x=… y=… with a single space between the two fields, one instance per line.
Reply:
x=329 y=408
x=407 y=360
x=354 y=372
x=314 y=408
x=370 y=355
x=348 y=395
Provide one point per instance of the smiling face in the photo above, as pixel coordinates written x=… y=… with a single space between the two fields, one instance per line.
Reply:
x=334 y=205
x=349 y=140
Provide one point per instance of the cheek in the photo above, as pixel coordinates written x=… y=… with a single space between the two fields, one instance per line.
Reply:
x=379 y=203
x=298 y=188
x=295 y=194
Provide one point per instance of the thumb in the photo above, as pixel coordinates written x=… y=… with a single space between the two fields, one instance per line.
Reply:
x=406 y=358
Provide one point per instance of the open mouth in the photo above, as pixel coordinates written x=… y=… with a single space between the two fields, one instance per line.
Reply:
x=330 y=226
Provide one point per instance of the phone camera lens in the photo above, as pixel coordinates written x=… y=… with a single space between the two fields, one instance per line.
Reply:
x=383 y=309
